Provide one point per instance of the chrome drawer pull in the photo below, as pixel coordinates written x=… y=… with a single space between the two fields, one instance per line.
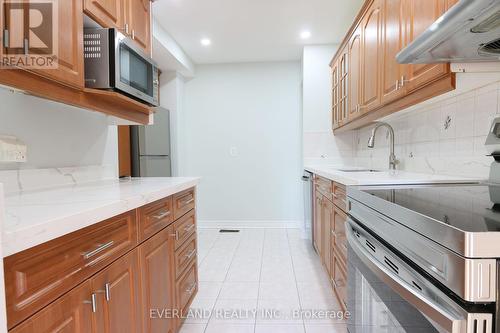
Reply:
x=107 y=292
x=188 y=201
x=188 y=229
x=191 y=254
x=101 y=248
x=162 y=214
x=175 y=235
x=92 y=302
x=191 y=290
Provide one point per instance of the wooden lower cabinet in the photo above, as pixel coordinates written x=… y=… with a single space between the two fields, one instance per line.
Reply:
x=116 y=289
x=100 y=280
x=69 y=314
x=155 y=260
x=327 y=214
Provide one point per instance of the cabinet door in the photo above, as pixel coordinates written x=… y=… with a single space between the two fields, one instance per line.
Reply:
x=139 y=19
x=354 y=63
x=419 y=16
x=371 y=33
x=117 y=294
x=70 y=45
x=335 y=95
x=393 y=31
x=343 y=86
x=326 y=221
x=108 y=13
x=317 y=222
x=157 y=286
x=72 y=313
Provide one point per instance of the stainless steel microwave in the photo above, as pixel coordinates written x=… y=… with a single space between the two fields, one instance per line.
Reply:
x=114 y=61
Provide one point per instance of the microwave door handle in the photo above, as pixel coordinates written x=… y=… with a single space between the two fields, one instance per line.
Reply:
x=453 y=323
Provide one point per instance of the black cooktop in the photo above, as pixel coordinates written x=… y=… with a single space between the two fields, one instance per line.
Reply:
x=470 y=208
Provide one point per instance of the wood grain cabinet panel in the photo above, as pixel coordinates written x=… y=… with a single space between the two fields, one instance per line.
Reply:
x=72 y=313
x=339 y=280
x=39 y=275
x=186 y=288
x=108 y=13
x=117 y=293
x=185 y=255
x=354 y=64
x=138 y=14
x=338 y=234
x=393 y=39
x=371 y=32
x=154 y=217
x=70 y=45
x=157 y=283
x=327 y=212
x=184 y=228
x=419 y=16
x=317 y=238
x=184 y=202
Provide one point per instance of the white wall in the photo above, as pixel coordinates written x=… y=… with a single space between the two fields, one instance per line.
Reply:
x=57 y=135
x=320 y=146
x=253 y=110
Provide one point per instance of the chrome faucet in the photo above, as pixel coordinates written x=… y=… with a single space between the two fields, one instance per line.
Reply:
x=371 y=143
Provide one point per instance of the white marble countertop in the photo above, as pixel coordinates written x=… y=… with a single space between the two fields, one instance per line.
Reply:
x=385 y=177
x=35 y=217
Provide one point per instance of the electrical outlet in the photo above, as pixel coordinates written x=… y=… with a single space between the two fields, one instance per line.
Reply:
x=12 y=150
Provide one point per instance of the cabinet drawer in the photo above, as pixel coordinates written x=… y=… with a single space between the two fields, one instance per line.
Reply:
x=339 y=196
x=184 y=228
x=185 y=255
x=324 y=186
x=154 y=217
x=39 y=275
x=183 y=202
x=186 y=288
x=339 y=280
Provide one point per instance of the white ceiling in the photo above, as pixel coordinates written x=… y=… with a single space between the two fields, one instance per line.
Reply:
x=253 y=30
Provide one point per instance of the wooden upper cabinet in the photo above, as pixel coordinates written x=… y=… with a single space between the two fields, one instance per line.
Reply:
x=108 y=13
x=71 y=313
x=138 y=15
x=70 y=45
x=335 y=95
x=371 y=33
x=354 y=70
x=419 y=16
x=118 y=304
x=393 y=34
x=131 y=17
x=157 y=285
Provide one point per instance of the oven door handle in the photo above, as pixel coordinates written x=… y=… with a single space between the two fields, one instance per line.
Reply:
x=451 y=322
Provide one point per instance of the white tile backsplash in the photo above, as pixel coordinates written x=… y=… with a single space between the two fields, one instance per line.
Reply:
x=445 y=137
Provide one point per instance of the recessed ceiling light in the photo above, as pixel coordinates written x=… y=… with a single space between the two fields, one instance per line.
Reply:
x=206 y=42
x=305 y=34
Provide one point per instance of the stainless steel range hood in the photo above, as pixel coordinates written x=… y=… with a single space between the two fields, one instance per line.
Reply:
x=468 y=32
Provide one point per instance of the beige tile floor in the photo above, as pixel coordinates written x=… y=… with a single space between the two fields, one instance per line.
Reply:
x=253 y=281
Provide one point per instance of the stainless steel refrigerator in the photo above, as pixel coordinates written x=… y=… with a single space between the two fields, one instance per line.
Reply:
x=151 y=147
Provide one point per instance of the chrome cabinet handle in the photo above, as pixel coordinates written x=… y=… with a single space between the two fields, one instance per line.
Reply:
x=188 y=201
x=162 y=214
x=126 y=28
x=175 y=235
x=133 y=34
x=93 y=302
x=191 y=290
x=191 y=254
x=106 y=292
x=99 y=249
x=188 y=229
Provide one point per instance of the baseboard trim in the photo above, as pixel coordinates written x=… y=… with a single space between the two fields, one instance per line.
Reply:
x=248 y=224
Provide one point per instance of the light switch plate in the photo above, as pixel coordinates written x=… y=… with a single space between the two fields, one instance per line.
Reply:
x=12 y=150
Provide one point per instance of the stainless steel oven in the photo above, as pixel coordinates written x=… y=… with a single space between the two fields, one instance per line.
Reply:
x=114 y=61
